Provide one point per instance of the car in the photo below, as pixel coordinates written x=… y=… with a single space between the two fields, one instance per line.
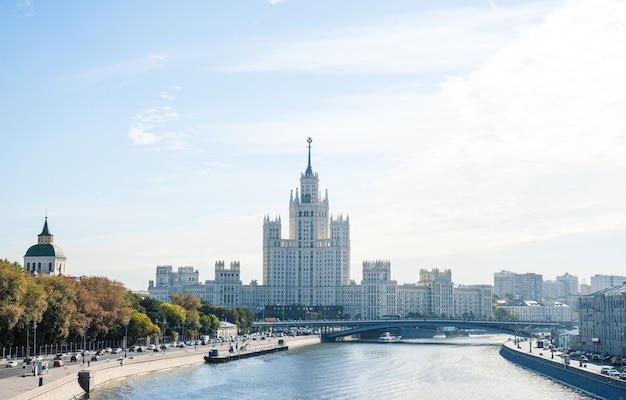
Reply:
x=108 y=350
x=584 y=359
x=151 y=347
x=606 y=370
x=95 y=357
x=614 y=373
x=60 y=356
x=38 y=358
x=116 y=350
x=622 y=375
x=12 y=364
x=163 y=347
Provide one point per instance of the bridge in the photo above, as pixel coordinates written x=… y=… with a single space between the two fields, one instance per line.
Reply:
x=333 y=330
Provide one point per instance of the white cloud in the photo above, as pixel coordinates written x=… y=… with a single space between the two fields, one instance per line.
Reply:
x=433 y=41
x=537 y=147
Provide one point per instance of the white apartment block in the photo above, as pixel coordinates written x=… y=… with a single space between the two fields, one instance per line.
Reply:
x=600 y=282
x=533 y=311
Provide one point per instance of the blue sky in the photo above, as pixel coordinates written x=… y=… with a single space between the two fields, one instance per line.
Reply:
x=471 y=135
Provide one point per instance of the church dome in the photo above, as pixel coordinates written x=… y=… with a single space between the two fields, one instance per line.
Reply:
x=45 y=250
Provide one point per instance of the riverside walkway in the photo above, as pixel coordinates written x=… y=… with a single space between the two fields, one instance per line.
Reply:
x=61 y=383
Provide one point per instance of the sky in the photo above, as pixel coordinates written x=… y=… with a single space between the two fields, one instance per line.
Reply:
x=476 y=136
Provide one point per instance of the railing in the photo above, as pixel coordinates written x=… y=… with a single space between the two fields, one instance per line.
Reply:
x=51 y=349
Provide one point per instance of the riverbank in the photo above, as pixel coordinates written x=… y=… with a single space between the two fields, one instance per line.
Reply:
x=62 y=382
x=583 y=377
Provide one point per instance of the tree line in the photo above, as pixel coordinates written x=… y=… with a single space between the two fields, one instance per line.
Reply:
x=68 y=309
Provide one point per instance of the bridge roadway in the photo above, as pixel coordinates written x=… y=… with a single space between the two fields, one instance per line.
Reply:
x=332 y=330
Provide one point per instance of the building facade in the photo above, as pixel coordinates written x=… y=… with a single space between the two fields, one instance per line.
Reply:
x=603 y=321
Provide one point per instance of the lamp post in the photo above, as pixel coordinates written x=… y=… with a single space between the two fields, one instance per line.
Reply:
x=84 y=324
x=28 y=340
x=35 y=339
x=126 y=322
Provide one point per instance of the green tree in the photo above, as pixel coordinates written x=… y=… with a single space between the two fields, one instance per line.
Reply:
x=141 y=326
x=55 y=323
x=21 y=301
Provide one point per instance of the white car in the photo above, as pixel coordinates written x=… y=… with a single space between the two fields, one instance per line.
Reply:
x=614 y=373
x=12 y=364
x=151 y=347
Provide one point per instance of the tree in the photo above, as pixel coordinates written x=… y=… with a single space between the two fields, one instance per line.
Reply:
x=188 y=301
x=55 y=323
x=21 y=301
x=102 y=303
x=141 y=326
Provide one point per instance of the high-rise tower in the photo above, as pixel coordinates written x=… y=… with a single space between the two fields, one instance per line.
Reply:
x=311 y=265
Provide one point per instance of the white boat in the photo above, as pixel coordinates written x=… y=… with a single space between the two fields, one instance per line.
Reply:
x=389 y=338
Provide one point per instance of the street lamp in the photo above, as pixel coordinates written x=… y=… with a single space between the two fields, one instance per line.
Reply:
x=84 y=324
x=126 y=322
x=35 y=339
x=28 y=340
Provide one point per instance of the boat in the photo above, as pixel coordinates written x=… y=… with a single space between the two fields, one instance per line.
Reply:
x=389 y=338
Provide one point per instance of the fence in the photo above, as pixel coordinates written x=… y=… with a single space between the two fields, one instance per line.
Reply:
x=50 y=349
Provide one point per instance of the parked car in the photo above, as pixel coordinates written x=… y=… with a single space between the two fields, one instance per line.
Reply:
x=60 y=356
x=151 y=347
x=95 y=357
x=614 y=373
x=108 y=350
x=606 y=370
x=116 y=350
x=163 y=347
x=12 y=364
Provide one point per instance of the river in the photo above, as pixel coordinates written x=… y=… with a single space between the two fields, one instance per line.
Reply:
x=458 y=368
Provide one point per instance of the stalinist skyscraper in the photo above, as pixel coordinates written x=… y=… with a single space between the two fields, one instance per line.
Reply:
x=310 y=266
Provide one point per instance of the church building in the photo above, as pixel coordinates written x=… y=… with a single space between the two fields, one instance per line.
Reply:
x=45 y=257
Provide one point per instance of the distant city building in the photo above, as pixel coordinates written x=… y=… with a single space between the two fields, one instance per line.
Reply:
x=45 y=257
x=602 y=327
x=585 y=288
x=534 y=311
x=570 y=283
x=600 y=282
x=553 y=289
x=504 y=284
x=311 y=270
x=509 y=285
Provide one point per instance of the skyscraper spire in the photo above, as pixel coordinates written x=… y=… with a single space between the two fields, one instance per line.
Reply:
x=309 y=170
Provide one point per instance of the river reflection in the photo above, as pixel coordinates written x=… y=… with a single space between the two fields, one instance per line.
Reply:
x=455 y=368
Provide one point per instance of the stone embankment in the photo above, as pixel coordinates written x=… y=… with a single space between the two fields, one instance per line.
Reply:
x=583 y=377
x=63 y=382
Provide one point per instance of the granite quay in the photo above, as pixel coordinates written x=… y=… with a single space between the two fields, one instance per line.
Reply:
x=63 y=382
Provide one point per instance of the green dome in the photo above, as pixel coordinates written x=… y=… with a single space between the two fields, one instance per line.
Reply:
x=45 y=250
